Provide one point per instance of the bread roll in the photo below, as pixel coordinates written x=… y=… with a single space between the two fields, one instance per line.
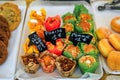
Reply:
x=102 y=33
x=113 y=60
x=115 y=24
x=104 y=47
x=115 y=41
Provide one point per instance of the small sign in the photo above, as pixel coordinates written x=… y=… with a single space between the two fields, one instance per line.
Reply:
x=37 y=41
x=77 y=37
x=52 y=36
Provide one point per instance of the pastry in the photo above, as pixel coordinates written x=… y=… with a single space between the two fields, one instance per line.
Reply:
x=90 y=49
x=88 y=63
x=12 y=14
x=30 y=63
x=47 y=61
x=104 y=47
x=102 y=33
x=3 y=37
x=115 y=41
x=2 y=19
x=65 y=66
x=5 y=28
x=3 y=52
x=113 y=60
x=72 y=51
x=115 y=24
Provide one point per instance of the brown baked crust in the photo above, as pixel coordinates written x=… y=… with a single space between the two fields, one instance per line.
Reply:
x=3 y=37
x=12 y=13
x=2 y=19
x=114 y=25
x=5 y=28
x=3 y=52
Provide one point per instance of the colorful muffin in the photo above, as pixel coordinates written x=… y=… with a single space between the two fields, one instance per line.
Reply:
x=88 y=63
x=65 y=66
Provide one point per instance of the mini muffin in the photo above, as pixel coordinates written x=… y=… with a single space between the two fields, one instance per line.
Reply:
x=103 y=33
x=72 y=51
x=30 y=62
x=115 y=24
x=115 y=41
x=3 y=52
x=88 y=63
x=65 y=66
x=47 y=61
x=104 y=47
x=113 y=60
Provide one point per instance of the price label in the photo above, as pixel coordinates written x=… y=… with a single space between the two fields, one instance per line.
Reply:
x=77 y=37
x=52 y=36
x=37 y=41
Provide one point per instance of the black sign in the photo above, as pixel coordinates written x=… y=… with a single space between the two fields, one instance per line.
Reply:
x=52 y=36
x=34 y=39
x=77 y=37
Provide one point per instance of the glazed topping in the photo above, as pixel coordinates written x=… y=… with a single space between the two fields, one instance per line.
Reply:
x=85 y=17
x=30 y=58
x=69 y=17
x=68 y=27
x=89 y=47
x=48 y=60
x=74 y=50
x=66 y=64
x=59 y=45
x=84 y=25
x=89 y=60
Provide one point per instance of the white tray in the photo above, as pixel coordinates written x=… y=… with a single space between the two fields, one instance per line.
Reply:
x=7 y=70
x=52 y=8
x=103 y=19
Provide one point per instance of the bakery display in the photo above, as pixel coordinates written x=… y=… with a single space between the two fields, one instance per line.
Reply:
x=57 y=42
x=115 y=24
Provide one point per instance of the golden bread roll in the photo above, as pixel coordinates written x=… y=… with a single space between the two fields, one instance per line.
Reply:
x=104 y=47
x=114 y=39
x=102 y=33
x=113 y=60
x=115 y=24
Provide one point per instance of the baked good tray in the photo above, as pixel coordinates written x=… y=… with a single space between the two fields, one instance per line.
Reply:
x=103 y=19
x=52 y=8
x=7 y=69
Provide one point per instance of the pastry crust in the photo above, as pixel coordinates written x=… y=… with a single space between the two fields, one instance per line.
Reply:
x=115 y=41
x=12 y=14
x=115 y=24
x=3 y=52
x=113 y=60
x=103 y=33
x=104 y=47
x=5 y=28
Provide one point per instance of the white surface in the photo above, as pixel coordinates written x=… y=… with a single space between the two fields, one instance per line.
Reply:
x=103 y=19
x=7 y=70
x=53 y=8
